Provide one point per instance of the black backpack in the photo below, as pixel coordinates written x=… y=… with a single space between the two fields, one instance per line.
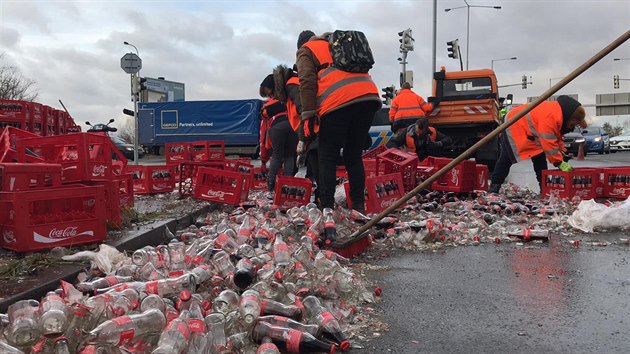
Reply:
x=350 y=51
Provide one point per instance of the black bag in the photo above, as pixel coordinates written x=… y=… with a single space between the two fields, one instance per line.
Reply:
x=350 y=51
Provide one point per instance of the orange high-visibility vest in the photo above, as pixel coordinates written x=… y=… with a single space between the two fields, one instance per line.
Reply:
x=294 y=116
x=406 y=108
x=411 y=144
x=538 y=131
x=266 y=122
x=336 y=87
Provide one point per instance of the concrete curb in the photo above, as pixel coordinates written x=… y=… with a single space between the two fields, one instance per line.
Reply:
x=153 y=236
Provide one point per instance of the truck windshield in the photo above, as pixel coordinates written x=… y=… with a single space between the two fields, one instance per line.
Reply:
x=472 y=88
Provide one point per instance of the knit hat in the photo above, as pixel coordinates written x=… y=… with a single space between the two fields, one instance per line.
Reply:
x=304 y=37
x=568 y=105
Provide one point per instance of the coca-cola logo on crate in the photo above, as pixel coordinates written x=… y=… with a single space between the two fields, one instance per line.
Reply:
x=56 y=235
x=216 y=194
x=582 y=192
x=388 y=202
x=8 y=236
x=99 y=170
x=160 y=186
x=618 y=191
x=291 y=204
x=455 y=177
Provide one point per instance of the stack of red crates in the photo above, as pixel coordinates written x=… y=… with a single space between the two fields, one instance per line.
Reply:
x=8 y=139
x=581 y=182
x=370 y=163
x=152 y=179
x=292 y=192
x=37 y=212
x=221 y=186
x=402 y=162
x=207 y=150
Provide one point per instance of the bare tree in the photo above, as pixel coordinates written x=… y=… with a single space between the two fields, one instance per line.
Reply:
x=13 y=85
x=125 y=130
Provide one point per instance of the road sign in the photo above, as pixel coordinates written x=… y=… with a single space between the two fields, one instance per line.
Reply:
x=131 y=63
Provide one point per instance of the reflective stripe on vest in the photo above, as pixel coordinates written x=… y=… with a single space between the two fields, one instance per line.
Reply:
x=336 y=87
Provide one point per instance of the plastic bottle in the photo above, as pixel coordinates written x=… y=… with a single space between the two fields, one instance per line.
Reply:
x=267 y=347
x=170 y=286
x=325 y=319
x=101 y=283
x=226 y=302
x=291 y=340
x=123 y=330
x=281 y=321
x=217 y=341
x=54 y=315
x=250 y=307
x=174 y=338
x=197 y=328
x=244 y=274
x=271 y=307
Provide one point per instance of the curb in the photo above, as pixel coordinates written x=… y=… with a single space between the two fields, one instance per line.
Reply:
x=153 y=237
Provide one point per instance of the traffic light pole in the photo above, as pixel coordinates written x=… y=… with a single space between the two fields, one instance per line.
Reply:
x=135 y=118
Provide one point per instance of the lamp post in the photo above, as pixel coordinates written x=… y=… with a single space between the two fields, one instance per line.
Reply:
x=468 y=6
x=617 y=59
x=493 y=60
x=135 y=109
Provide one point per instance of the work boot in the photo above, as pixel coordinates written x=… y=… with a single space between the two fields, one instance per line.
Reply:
x=494 y=188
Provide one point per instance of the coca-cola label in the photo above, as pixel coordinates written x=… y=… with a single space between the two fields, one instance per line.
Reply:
x=618 y=191
x=8 y=236
x=160 y=186
x=482 y=180
x=582 y=192
x=327 y=317
x=180 y=327
x=126 y=336
x=99 y=170
x=57 y=235
x=455 y=177
x=294 y=337
x=151 y=287
x=220 y=195
x=111 y=280
x=386 y=203
x=197 y=326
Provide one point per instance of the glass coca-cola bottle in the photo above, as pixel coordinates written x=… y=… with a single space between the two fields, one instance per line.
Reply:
x=324 y=318
x=123 y=330
x=291 y=340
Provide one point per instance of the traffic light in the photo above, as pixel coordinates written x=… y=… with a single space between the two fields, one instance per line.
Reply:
x=616 y=81
x=406 y=40
x=388 y=95
x=453 y=49
x=139 y=84
x=524 y=82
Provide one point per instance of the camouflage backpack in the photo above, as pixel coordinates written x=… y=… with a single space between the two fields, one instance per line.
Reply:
x=350 y=51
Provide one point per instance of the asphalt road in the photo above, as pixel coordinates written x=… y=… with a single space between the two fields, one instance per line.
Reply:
x=549 y=298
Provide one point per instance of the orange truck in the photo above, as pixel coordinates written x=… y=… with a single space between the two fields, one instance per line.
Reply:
x=468 y=111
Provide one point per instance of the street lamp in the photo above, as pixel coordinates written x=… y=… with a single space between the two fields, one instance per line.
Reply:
x=493 y=60
x=616 y=59
x=468 y=6
x=135 y=110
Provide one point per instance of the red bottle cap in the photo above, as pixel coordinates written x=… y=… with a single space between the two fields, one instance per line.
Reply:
x=345 y=345
x=278 y=275
x=185 y=295
x=378 y=291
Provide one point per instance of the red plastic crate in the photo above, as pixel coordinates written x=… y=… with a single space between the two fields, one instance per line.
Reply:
x=14 y=114
x=341 y=172
x=83 y=156
x=25 y=176
x=380 y=192
x=460 y=179
x=372 y=154
x=616 y=182
x=37 y=116
x=291 y=191
x=402 y=162
x=188 y=174
x=177 y=152
x=221 y=186
x=259 y=179
x=60 y=122
x=65 y=216
x=423 y=173
x=8 y=142
x=48 y=121
x=124 y=183
x=152 y=179
x=372 y=167
x=207 y=150
x=581 y=182
x=112 y=202
x=481 y=177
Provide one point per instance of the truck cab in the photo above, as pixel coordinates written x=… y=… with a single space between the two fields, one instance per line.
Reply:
x=468 y=110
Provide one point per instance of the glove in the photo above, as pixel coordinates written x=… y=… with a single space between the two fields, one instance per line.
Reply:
x=565 y=167
x=308 y=125
x=566 y=157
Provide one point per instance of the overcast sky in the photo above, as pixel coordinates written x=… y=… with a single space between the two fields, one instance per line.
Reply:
x=223 y=49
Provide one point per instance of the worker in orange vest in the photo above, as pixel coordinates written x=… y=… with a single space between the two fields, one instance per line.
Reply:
x=407 y=107
x=421 y=138
x=341 y=106
x=536 y=136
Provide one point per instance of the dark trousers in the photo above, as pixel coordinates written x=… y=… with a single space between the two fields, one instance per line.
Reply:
x=506 y=159
x=284 y=142
x=344 y=128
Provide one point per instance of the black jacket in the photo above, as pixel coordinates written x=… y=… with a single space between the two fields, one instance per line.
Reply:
x=423 y=144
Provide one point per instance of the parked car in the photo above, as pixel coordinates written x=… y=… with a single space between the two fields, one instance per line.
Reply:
x=597 y=140
x=126 y=147
x=573 y=140
x=620 y=143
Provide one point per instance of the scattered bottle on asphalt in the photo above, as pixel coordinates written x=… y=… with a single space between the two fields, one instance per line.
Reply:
x=291 y=340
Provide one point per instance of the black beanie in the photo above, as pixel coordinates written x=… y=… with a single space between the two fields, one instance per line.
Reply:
x=568 y=106
x=304 y=37
x=268 y=82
